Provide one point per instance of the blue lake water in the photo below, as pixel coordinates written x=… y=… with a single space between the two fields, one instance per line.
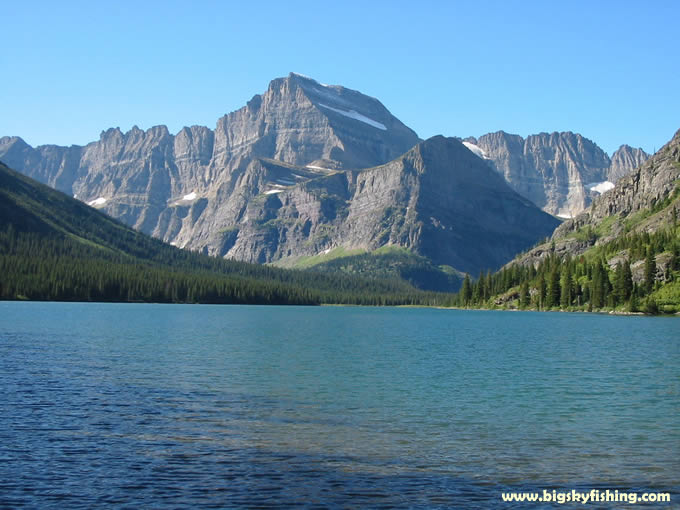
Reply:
x=173 y=406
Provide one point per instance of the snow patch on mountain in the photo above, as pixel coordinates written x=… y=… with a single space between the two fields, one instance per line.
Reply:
x=600 y=187
x=97 y=201
x=353 y=114
x=310 y=79
x=303 y=76
x=476 y=150
x=189 y=197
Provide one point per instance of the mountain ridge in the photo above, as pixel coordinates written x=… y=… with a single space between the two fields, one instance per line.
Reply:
x=53 y=247
x=557 y=171
x=621 y=255
x=415 y=201
x=220 y=191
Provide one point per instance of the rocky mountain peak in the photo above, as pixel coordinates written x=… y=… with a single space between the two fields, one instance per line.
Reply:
x=12 y=149
x=640 y=201
x=458 y=160
x=561 y=172
x=110 y=134
x=624 y=160
x=8 y=141
x=299 y=121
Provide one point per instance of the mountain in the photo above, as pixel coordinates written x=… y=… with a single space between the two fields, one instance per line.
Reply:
x=622 y=253
x=639 y=202
x=53 y=247
x=152 y=180
x=438 y=200
x=624 y=160
x=559 y=172
x=284 y=179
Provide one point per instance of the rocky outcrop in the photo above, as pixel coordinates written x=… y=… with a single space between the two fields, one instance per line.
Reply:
x=624 y=160
x=438 y=200
x=642 y=189
x=151 y=179
x=643 y=195
x=559 y=172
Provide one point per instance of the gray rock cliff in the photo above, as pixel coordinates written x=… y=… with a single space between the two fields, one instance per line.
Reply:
x=438 y=199
x=150 y=179
x=637 y=203
x=624 y=160
x=559 y=172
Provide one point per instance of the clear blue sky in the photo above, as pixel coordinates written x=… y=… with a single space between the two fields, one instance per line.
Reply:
x=609 y=70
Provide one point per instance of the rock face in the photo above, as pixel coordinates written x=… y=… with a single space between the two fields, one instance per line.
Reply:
x=624 y=160
x=644 y=189
x=438 y=199
x=150 y=179
x=641 y=189
x=559 y=172
x=282 y=177
x=50 y=164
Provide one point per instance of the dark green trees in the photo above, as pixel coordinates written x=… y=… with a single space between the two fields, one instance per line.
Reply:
x=466 y=291
x=553 y=290
x=650 y=270
x=587 y=282
x=566 y=287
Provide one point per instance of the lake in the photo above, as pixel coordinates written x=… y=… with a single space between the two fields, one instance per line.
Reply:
x=190 y=406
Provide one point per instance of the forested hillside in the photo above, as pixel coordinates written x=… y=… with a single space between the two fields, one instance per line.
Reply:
x=53 y=247
x=622 y=254
x=600 y=279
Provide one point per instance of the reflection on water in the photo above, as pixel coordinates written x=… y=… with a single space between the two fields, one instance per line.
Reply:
x=185 y=406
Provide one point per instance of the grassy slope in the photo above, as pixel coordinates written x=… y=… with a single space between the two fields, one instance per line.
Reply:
x=392 y=262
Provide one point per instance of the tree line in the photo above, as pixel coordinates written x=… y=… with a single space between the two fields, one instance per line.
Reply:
x=587 y=282
x=53 y=267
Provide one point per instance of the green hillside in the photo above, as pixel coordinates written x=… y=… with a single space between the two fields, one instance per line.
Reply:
x=600 y=279
x=53 y=247
x=391 y=262
x=622 y=255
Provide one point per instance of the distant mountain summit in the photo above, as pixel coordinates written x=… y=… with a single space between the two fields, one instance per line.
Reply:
x=624 y=160
x=138 y=176
x=643 y=201
x=559 y=172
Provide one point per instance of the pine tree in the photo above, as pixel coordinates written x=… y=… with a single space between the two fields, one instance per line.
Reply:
x=566 y=287
x=619 y=284
x=553 y=292
x=466 y=291
x=627 y=281
x=524 y=295
x=633 y=304
x=541 y=291
x=650 y=271
x=596 y=287
x=477 y=290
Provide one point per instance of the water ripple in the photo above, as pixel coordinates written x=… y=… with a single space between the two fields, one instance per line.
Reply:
x=131 y=407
